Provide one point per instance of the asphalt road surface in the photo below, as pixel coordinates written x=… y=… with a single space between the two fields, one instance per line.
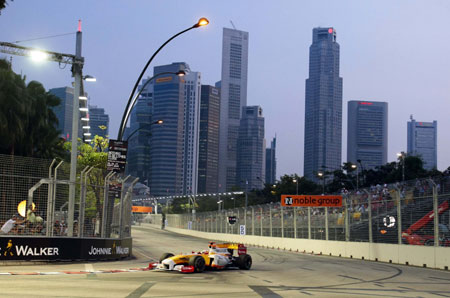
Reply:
x=274 y=274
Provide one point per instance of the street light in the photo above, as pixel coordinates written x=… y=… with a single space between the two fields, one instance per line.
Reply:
x=127 y=112
x=295 y=180
x=357 y=176
x=201 y=22
x=402 y=155
x=322 y=175
x=159 y=122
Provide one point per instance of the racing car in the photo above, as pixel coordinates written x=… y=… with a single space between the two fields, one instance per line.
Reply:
x=218 y=256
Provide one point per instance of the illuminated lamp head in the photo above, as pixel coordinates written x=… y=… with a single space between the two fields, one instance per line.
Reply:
x=330 y=30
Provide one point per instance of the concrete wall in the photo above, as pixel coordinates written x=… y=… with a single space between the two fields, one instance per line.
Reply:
x=423 y=256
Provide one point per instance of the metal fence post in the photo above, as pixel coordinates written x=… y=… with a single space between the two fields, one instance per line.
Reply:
x=270 y=219
x=105 y=203
x=49 y=226
x=295 y=222
x=309 y=222
x=282 y=220
x=436 y=213
x=261 y=220
x=346 y=220
x=52 y=209
x=122 y=201
x=253 y=220
x=326 y=224
x=399 y=217
x=369 y=209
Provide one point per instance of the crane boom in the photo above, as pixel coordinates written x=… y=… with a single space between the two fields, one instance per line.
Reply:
x=13 y=49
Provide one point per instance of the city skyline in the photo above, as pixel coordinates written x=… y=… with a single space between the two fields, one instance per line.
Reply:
x=374 y=61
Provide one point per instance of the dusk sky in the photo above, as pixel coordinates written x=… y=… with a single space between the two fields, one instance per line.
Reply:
x=393 y=51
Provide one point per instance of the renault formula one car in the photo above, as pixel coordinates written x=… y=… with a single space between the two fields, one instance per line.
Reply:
x=219 y=256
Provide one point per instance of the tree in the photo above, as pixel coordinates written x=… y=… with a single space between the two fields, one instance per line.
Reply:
x=3 y=4
x=28 y=126
x=94 y=155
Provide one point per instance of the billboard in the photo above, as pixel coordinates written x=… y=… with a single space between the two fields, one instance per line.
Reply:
x=311 y=201
x=117 y=156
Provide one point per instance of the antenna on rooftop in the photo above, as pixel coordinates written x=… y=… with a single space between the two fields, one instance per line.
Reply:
x=234 y=27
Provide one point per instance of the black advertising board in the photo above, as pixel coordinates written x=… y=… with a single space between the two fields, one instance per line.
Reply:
x=62 y=248
x=117 y=156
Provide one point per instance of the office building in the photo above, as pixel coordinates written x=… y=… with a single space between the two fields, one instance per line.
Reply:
x=422 y=142
x=191 y=126
x=138 y=135
x=271 y=162
x=99 y=122
x=64 y=113
x=323 y=105
x=208 y=160
x=167 y=148
x=251 y=149
x=367 y=133
x=233 y=98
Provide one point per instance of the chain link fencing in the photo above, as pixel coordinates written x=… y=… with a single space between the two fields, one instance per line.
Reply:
x=34 y=200
x=399 y=213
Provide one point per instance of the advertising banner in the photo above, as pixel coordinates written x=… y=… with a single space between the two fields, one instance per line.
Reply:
x=311 y=201
x=141 y=209
x=43 y=248
x=117 y=156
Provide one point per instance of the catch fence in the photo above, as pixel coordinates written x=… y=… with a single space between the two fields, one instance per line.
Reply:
x=36 y=191
x=400 y=213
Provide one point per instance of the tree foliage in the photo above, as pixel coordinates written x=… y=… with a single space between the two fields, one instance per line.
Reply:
x=28 y=126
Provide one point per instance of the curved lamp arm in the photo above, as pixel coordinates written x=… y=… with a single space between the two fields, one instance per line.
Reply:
x=201 y=22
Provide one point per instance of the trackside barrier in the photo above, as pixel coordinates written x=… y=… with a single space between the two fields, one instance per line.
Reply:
x=423 y=256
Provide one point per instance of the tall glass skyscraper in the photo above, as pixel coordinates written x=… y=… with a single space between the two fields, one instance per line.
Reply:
x=99 y=121
x=208 y=157
x=251 y=148
x=191 y=125
x=64 y=110
x=422 y=142
x=271 y=162
x=233 y=98
x=323 y=105
x=367 y=133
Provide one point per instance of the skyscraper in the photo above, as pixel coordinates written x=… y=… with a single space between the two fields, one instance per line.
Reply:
x=422 y=142
x=251 y=149
x=191 y=126
x=271 y=162
x=367 y=133
x=208 y=158
x=323 y=105
x=64 y=110
x=138 y=135
x=233 y=98
x=99 y=121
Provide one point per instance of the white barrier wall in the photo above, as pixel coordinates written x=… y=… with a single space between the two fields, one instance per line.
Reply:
x=423 y=256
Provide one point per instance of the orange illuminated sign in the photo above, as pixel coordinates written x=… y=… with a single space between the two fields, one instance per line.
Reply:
x=141 y=209
x=311 y=201
x=164 y=79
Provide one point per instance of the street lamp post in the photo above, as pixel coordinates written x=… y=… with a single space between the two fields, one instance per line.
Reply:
x=296 y=181
x=322 y=175
x=402 y=156
x=200 y=23
x=357 y=176
x=145 y=125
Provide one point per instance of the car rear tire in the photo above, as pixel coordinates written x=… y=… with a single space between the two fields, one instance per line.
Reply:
x=165 y=256
x=198 y=262
x=244 y=262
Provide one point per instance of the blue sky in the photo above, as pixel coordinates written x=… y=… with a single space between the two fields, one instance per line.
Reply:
x=394 y=51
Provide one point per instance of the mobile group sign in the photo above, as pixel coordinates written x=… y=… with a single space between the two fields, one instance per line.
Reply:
x=311 y=201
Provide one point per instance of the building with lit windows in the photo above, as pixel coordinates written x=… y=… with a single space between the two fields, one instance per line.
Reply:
x=422 y=142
